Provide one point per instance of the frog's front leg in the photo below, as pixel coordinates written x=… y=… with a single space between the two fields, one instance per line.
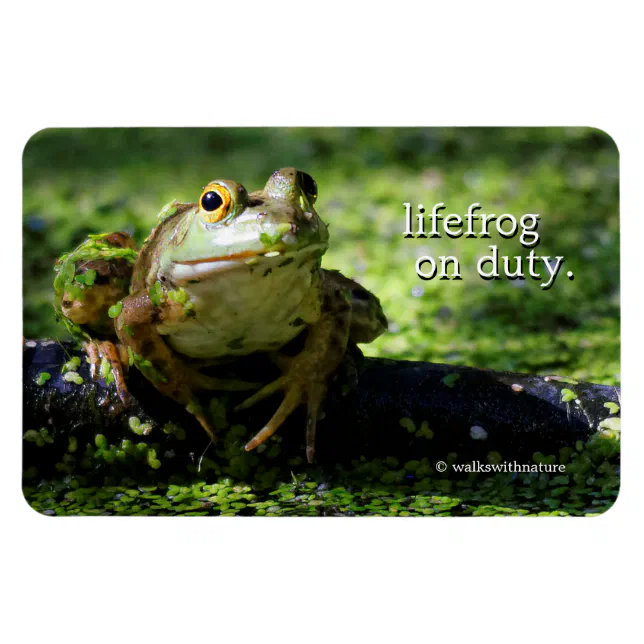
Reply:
x=306 y=376
x=136 y=327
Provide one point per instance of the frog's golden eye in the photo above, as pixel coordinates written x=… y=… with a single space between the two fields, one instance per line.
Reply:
x=216 y=203
x=309 y=186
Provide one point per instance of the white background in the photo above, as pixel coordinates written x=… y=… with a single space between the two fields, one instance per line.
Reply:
x=306 y=580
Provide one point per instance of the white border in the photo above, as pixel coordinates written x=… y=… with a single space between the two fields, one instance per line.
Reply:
x=163 y=580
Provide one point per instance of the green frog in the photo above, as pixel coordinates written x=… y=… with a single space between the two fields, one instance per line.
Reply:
x=233 y=274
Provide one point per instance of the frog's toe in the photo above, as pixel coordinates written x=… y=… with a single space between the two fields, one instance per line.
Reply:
x=311 y=391
x=264 y=392
x=197 y=411
x=292 y=399
x=117 y=359
x=93 y=355
x=118 y=366
x=315 y=396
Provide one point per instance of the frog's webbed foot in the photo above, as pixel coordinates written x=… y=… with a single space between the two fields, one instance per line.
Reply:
x=300 y=384
x=117 y=358
x=305 y=376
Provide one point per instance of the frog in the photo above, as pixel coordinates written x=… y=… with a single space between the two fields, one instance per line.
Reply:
x=234 y=274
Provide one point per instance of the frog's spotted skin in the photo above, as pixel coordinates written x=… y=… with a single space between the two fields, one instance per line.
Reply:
x=230 y=275
x=290 y=282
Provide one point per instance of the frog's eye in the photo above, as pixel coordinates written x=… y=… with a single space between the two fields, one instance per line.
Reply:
x=309 y=186
x=211 y=201
x=215 y=203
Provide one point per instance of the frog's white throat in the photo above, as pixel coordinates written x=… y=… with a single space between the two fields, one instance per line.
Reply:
x=241 y=308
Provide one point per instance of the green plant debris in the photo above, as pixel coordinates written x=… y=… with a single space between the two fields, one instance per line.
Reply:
x=87 y=278
x=167 y=211
x=146 y=367
x=425 y=431
x=71 y=365
x=567 y=395
x=43 y=377
x=40 y=437
x=450 y=379
x=180 y=296
x=156 y=294
x=115 y=310
x=139 y=428
x=270 y=239
x=612 y=422
x=73 y=376
x=613 y=408
x=408 y=424
x=175 y=430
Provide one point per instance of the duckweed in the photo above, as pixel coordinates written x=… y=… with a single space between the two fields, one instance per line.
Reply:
x=73 y=376
x=156 y=294
x=450 y=379
x=40 y=437
x=567 y=395
x=139 y=428
x=115 y=310
x=71 y=365
x=613 y=408
x=43 y=377
x=382 y=487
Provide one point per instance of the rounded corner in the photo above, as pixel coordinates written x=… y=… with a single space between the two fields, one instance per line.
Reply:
x=31 y=507
x=603 y=133
x=33 y=136
x=611 y=506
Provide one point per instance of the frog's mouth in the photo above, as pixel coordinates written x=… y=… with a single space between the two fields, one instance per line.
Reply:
x=226 y=258
x=195 y=268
